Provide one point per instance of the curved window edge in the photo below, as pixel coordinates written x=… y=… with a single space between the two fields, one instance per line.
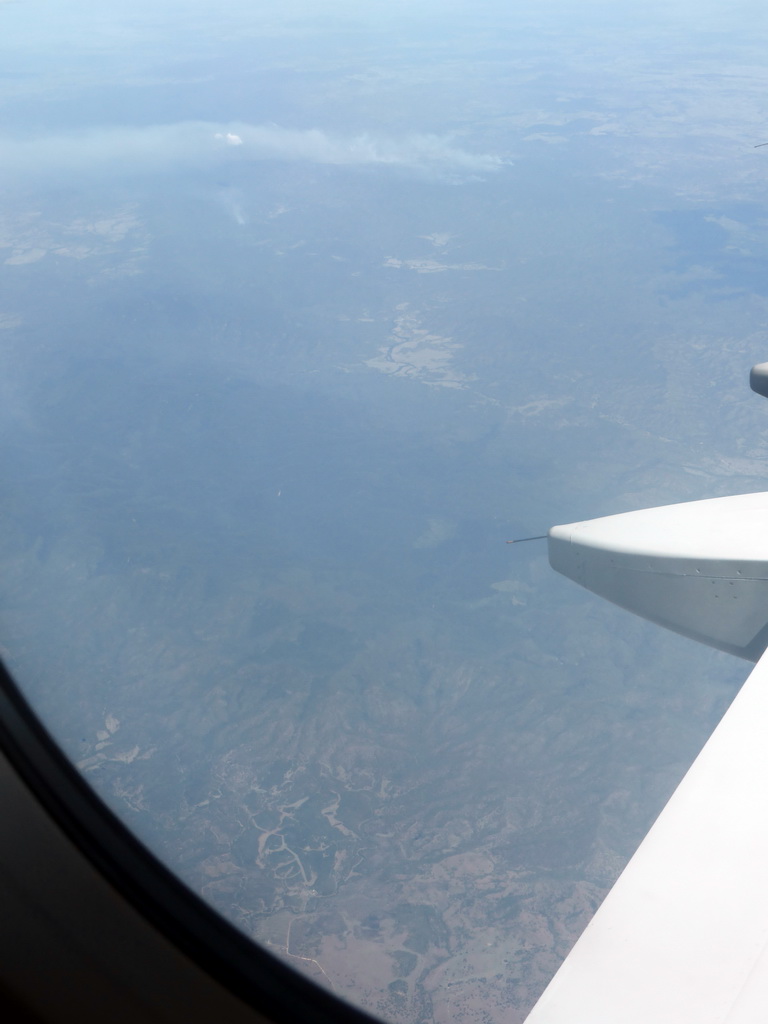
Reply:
x=270 y=988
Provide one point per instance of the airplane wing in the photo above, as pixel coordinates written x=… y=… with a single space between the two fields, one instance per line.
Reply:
x=682 y=938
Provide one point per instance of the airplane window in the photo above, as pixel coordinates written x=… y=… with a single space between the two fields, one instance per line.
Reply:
x=306 y=310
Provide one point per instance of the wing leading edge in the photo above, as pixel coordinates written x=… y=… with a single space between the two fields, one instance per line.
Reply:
x=682 y=938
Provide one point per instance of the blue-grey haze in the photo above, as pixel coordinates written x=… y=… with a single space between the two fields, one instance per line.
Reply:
x=304 y=312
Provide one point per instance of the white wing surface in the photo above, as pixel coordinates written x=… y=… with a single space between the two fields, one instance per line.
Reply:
x=699 y=568
x=682 y=938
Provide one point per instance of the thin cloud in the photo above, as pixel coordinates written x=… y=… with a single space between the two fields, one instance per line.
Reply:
x=159 y=147
x=415 y=151
x=229 y=137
